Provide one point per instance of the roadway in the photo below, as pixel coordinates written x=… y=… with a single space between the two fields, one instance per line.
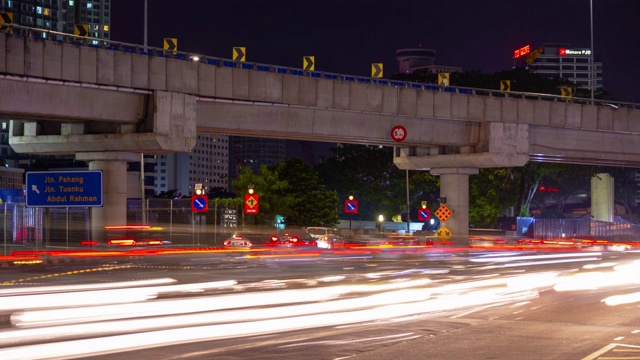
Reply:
x=470 y=304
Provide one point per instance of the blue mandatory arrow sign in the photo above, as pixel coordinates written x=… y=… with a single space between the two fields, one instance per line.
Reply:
x=199 y=203
x=64 y=189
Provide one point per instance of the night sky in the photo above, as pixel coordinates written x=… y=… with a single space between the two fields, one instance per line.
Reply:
x=346 y=36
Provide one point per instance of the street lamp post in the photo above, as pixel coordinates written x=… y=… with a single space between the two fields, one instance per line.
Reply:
x=593 y=65
x=350 y=215
x=145 y=26
x=380 y=220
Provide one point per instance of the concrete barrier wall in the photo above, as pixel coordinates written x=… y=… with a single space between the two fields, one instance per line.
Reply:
x=78 y=63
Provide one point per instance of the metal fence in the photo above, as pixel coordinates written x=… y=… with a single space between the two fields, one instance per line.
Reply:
x=36 y=227
x=620 y=230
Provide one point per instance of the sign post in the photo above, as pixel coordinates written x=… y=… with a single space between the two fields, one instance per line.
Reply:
x=64 y=189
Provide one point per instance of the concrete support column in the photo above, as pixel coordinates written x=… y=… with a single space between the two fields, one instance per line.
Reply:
x=114 y=185
x=602 y=197
x=454 y=186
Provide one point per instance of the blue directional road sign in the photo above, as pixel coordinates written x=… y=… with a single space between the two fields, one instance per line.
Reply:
x=351 y=206
x=424 y=214
x=199 y=203
x=64 y=189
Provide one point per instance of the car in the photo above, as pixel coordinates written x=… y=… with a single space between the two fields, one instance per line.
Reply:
x=290 y=239
x=134 y=235
x=326 y=237
x=244 y=240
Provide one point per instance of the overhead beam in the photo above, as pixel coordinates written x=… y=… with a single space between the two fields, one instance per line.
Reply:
x=24 y=98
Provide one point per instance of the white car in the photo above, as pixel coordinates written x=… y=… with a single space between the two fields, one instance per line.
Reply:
x=237 y=242
x=326 y=237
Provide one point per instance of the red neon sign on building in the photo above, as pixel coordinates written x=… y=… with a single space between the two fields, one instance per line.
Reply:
x=521 y=52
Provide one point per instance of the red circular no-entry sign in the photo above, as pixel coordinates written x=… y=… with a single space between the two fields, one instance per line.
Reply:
x=398 y=133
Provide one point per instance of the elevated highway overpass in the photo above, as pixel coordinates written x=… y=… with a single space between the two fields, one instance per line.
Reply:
x=107 y=101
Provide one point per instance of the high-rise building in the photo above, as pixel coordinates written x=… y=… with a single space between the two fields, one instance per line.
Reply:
x=563 y=61
x=45 y=14
x=62 y=15
x=411 y=60
x=254 y=152
x=206 y=164
x=95 y=14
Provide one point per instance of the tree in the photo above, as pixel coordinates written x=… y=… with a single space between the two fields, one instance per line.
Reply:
x=561 y=183
x=272 y=199
x=310 y=203
x=491 y=193
x=379 y=186
x=522 y=80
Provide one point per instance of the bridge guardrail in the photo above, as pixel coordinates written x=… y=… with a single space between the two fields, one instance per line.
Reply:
x=49 y=35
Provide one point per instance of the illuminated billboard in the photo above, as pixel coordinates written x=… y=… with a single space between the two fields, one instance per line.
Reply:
x=564 y=52
x=521 y=52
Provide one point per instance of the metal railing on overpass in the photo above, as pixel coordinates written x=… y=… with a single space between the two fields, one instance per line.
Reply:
x=44 y=34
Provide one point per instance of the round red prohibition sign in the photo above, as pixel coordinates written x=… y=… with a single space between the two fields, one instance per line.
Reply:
x=398 y=133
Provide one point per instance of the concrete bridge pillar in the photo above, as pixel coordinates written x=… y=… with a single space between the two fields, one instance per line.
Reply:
x=454 y=186
x=114 y=184
x=602 y=197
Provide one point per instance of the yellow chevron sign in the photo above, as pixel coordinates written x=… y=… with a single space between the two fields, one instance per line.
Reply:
x=376 y=70
x=443 y=79
x=5 y=18
x=505 y=85
x=309 y=63
x=239 y=53
x=81 y=30
x=170 y=45
x=566 y=92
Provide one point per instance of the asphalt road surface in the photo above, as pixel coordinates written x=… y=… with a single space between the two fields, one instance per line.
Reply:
x=431 y=305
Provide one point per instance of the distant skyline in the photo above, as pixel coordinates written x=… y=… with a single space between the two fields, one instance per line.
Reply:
x=346 y=36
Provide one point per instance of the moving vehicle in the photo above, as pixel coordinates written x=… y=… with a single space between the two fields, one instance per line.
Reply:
x=244 y=240
x=135 y=235
x=292 y=240
x=326 y=237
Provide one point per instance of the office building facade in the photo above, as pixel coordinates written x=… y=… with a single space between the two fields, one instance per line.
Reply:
x=62 y=15
x=206 y=164
x=564 y=61
x=255 y=152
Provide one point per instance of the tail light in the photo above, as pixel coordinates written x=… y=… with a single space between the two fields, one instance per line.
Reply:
x=238 y=237
x=122 y=242
x=228 y=242
x=155 y=242
x=89 y=243
x=294 y=239
x=274 y=238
